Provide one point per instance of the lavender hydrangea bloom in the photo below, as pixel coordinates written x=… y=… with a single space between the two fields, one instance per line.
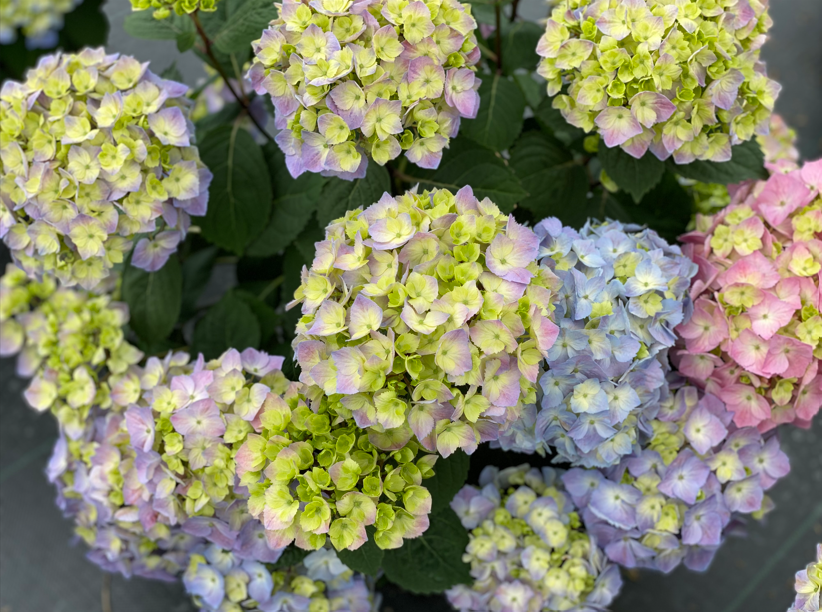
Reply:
x=809 y=586
x=672 y=500
x=527 y=550
x=624 y=290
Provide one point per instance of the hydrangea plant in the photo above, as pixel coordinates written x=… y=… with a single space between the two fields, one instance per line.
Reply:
x=94 y=150
x=809 y=586
x=680 y=79
x=624 y=290
x=69 y=341
x=357 y=80
x=754 y=338
x=673 y=500
x=38 y=21
x=528 y=550
x=164 y=8
x=426 y=315
x=221 y=581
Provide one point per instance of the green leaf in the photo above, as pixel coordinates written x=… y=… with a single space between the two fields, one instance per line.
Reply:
x=153 y=298
x=466 y=164
x=226 y=115
x=747 y=162
x=432 y=562
x=533 y=90
x=245 y=25
x=501 y=114
x=172 y=73
x=291 y=556
x=339 y=196
x=449 y=476
x=230 y=323
x=196 y=274
x=143 y=25
x=367 y=559
x=266 y=315
x=185 y=41
x=519 y=45
x=636 y=176
x=85 y=26
x=552 y=121
x=558 y=185
x=295 y=201
x=666 y=208
x=240 y=194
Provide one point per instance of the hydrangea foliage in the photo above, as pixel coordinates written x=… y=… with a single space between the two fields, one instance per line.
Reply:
x=528 y=550
x=426 y=315
x=357 y=80
x=37 y=20
x=164 y=8
x=676 y=78
x=223 y=581
x=754 y=338
x=809 y=586
x=94 y=150
x=70 y=342
x=673 y=500
x=624 y=290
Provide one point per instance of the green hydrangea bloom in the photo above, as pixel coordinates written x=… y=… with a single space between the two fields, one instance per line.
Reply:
x=163 y=8
x=678 y=77
x=426 y=315
x=37 y=20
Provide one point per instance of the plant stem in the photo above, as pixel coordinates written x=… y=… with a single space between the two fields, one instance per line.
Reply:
x=219 y=68
x=271 y=287
x=105 y=594
x=514 y=7
x=498 y=33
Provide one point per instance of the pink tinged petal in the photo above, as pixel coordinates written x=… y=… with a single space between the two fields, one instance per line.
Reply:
x=454 y=353
x=809 y=398
x=140 y=425
x=770 y=315
x=461 y=93
x=748 y=406
x=202 y=417
x=725 y=89
x=783 y=194
x=169 y=126
x=749 y=351
x=507 y=259
x=699 y=366
x=812 y=174
x=637 y=146
x=787 y=357
x=685 y=477
x=754 y=269
x=544 y=332
x=706 y=329
x=650 y=108
x=364 y=316
x=502 y=387
x=350 y=365
x=151 y=255
x=617 y=125
x=744 y=496
x=704 y=430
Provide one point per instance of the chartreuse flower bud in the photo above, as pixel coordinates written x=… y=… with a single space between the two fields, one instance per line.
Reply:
x=76 y=187
x=350 y=85
x=163 y=8
x=425 y=315
x=681 y=79
x=759 y=314
x=38 y=22
x=526 y=545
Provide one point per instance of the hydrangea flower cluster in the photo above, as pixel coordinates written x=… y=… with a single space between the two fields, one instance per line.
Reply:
x=809 y=586
x=673 y=500
x=357 y=80
x=679 y=78
x=222 y=581
x=314 y=475
x=68 y=341
x=163 y=8
x=754 y=338
x=37 y=20
x=426 y=315
x=528 y=551
x=624 y=290
x=95 y=149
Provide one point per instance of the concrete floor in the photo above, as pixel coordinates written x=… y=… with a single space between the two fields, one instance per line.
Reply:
x=41 y=571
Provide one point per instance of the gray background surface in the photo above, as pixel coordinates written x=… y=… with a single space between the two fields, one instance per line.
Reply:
x=42 y=570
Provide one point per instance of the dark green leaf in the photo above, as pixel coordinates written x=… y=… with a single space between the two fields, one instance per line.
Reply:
x=245 y=25
x=196 y=273
x=291 y=556
x=230 y=323
x=338 y=195
x=143 y=25
x=552 y=121
x=666 y=208
x=432 y=562
x=85 y=26
x=185 y=41
x=212 y=121
x=747 y=162
x=449 y=476
x=295 y=201
x=172 y=73
x=636 y=176
x=240 y=194
x=501 y=114
x=533 y=91
x=266 y=315
x=153 y=299
x=367 y=559
x=519 y=44
x=558 y=185
x=466 y=164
